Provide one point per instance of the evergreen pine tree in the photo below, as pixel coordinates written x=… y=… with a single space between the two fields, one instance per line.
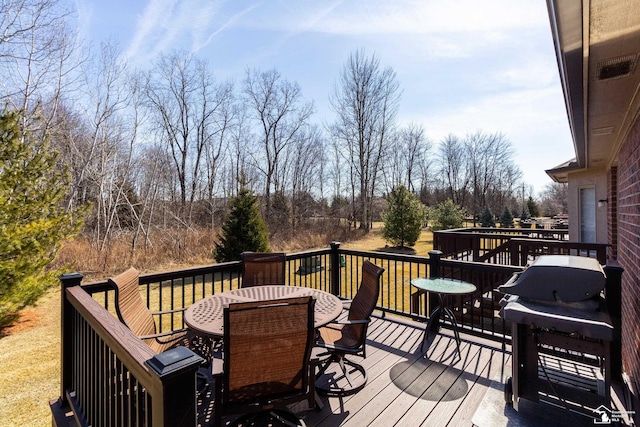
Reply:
x=487 y=218
x=403 y=218
x=243 y=230
x=533 y=207
x=447 y=215
x=33 y=221
x=506 y=220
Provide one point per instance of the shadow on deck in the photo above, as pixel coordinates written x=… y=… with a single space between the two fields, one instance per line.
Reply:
x=439 y=388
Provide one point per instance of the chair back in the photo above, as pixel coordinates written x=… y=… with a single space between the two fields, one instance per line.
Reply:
x=260 y=268
x=267 y=347
x=130 y=308
x=366 y=298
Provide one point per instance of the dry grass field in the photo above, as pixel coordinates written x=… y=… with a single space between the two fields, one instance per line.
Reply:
x=30 y=360
x=30 y=349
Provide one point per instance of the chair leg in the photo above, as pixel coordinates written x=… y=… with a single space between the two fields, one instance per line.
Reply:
x=324 y=364
x=343 y=363
x=274 y=418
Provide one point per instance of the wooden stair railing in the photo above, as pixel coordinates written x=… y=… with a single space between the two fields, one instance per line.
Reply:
x=110 y=377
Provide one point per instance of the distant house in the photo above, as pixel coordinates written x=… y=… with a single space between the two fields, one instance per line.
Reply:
x=597 y=46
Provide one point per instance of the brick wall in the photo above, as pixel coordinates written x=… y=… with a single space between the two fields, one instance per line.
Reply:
x=628 y=225
x=612 y=210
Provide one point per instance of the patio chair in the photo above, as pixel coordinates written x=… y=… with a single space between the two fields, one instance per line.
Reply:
x=134 y=313
x=348 y=337
x=267 y=361
x=261 y=268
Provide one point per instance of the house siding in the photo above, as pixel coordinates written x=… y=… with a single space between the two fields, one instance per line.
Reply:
x=597 y=179
x=628 y=240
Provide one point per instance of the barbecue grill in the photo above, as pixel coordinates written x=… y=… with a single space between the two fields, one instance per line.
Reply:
x=555 y=302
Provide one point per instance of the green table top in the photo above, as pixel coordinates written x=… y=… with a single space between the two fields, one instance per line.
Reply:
x=443 y=285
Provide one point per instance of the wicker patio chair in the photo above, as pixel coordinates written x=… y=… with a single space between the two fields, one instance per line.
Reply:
x=348 y=337
x=267 y=361
x=133 y=312
x=261 y=268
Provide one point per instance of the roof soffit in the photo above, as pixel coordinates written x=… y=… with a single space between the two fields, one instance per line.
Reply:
x=590 y=35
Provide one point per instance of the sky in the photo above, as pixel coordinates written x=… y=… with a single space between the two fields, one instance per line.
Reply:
x=463 y=66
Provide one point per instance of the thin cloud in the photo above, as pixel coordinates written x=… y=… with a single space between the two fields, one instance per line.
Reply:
x=146 y=26
x=402 y=16
x=512 y=112
x=229 y=23
x=85 y=15
x=169 y=24
x=448 y=29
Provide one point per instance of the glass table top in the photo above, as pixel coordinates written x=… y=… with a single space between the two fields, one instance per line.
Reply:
x=443 y=285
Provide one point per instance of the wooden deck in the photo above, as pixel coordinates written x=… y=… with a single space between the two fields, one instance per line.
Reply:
x=407 y=388
x=438 y=388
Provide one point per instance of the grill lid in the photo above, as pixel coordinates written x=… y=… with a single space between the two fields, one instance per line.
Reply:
x=559 y=278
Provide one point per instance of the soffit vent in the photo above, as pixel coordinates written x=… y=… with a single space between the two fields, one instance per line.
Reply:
x=616 y=68
x=608 y=130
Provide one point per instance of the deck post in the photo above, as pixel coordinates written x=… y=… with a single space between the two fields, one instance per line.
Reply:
x=434 y=263
x=436 y=240
x=613 y=299
x=176 y=404
x=66 y=316
x=475 y=248
x=434 y=271
x=334 y=259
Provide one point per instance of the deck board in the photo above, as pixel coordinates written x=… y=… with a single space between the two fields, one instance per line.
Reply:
x=406 y=379
x=380 y=357
x=476 y=377
x=407 y=387
x=472 y=400
x=450 y=387
x=428 y=386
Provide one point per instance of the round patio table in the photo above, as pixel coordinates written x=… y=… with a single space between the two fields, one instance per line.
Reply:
x=443 y=287
x=207 y=315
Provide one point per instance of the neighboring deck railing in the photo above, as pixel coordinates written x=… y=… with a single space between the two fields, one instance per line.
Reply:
x=98 y=350
x=511 y=246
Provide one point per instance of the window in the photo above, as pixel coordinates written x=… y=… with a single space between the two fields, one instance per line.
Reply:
x=588 y=215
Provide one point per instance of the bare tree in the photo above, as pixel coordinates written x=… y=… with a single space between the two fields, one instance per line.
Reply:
x=149 y=176
x=478 y=171
x=106 y=154
x=70 y=136
x=226 y=123
x=241 y=172
x=183 y=102
x=103 y=99
x=489 y=156
x=554 y=199
x=408 y=158
x=278 y=108
x=38 y=54
x=365 y=101
x=453 y=169
x=504 y=193
x=417 y=160
x=306 y=164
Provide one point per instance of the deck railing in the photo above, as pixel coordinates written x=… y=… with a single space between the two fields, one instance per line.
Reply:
x=97 y=349
x=511 y=246
x=337 y=271
x=109 y=377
